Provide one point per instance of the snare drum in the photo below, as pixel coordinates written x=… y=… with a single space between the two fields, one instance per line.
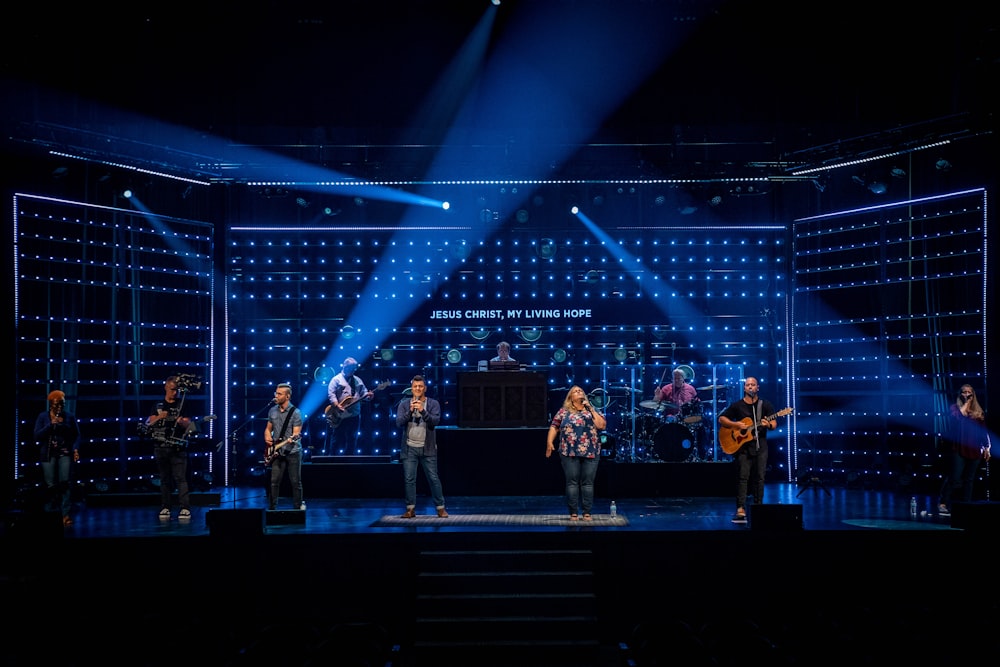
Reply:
x=691 y=413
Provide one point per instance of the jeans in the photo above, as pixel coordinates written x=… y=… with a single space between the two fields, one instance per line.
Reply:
x=410 y=457
x=344 y=438
x=580 y=473
x=173 y=467
x=56 y=474
x=961 y=475
x=293 y=463
x=752 y=467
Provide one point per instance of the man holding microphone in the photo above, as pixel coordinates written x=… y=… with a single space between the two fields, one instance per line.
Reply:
x=418 y=418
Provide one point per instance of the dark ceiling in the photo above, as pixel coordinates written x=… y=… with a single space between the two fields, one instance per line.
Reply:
x=724 y=81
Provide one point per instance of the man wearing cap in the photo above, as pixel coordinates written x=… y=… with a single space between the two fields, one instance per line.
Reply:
x=58 y=438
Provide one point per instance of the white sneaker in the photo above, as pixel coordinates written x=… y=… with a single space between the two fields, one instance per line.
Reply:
x=165 y=513
x=185 y=514
x=302 y=507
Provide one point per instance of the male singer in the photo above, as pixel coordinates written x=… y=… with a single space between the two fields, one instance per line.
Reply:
x=752 y=455
x=418 y=418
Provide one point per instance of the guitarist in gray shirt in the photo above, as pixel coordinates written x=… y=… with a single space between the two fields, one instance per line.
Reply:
x=284 y=450
x=346 y=391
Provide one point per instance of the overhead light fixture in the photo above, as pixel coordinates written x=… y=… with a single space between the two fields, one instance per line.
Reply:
x=877 y=187
x=546 y=248
x=461 y=249
x=530 y=335
x=323 y=374
x=942 y=165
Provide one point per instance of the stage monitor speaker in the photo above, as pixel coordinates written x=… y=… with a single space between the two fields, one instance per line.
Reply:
x=240 y=524
x=34 y=525
x=977 y=516
x=776 y=517
x=285 y=518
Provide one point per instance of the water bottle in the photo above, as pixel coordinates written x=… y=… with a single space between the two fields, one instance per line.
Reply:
x=913 y=506
x=614 y=510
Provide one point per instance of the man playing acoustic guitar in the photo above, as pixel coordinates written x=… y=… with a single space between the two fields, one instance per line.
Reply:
x=284 y=451
x=747 y=421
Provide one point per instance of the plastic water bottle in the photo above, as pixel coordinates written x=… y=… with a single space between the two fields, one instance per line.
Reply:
x=614 y=510
x=913 y=506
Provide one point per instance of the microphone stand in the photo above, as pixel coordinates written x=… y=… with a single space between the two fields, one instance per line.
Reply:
x=234 y=436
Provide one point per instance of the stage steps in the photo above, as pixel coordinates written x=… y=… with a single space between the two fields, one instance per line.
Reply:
x=524 y=608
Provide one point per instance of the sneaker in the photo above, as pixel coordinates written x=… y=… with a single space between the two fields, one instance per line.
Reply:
x=185 y=514
x=165 y=513
x=302 y=507
x=741 y=515
x=943 y=510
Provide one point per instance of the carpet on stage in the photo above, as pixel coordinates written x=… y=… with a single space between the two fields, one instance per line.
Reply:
x=498 y=520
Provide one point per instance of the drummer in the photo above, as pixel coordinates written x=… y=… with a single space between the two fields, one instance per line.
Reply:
x=678 y=392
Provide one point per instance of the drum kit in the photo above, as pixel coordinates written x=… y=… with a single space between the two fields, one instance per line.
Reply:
x=667 y=432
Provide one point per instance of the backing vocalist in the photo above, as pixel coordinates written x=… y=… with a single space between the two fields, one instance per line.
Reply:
x=58 y=438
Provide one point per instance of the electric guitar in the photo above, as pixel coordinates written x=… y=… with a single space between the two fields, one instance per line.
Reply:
x=731 y=439
x=335 y=416
x=272 y=451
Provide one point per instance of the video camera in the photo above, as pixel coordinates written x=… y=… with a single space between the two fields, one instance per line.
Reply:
x=187 y=381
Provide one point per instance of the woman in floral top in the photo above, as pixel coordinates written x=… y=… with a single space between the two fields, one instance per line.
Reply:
x=577 y=424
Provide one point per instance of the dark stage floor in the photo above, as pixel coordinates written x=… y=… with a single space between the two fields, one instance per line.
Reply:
x=823 y=573
x=822 y=508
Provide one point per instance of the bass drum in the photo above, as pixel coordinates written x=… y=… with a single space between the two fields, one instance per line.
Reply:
x=673 y=442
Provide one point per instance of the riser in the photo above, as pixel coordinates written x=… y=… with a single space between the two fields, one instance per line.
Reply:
x=513 y=654
x=523 y=629
x=507 y=605
x=506 y=561
x=494 y=582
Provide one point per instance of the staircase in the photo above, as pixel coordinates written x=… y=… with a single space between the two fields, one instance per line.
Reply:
x=524 y=608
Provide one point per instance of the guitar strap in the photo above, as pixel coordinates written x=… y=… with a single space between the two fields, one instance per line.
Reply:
x=756 y=430
x=284 y=426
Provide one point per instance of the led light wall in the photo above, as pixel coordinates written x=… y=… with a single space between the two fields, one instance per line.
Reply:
x=890 y=319
x=108 y=303
x=610 y=304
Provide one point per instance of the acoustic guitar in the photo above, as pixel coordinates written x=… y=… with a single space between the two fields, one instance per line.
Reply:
x=335 y=416
x=731 y=439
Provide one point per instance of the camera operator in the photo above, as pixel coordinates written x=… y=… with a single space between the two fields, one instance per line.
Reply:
x=168 y=428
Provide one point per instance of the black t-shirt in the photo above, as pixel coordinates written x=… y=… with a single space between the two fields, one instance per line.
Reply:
x=753 y=413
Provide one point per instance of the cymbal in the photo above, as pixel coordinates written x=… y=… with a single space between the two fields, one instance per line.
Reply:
x=711 y=387
x=659 y=406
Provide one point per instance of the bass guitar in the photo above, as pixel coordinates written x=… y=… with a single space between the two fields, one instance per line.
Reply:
x=335 y=416
x=271 y=452
x=731 y=439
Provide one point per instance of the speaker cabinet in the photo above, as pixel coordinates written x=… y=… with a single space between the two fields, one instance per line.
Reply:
x=775 y=517
x=235 y=523
x=34 y=525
